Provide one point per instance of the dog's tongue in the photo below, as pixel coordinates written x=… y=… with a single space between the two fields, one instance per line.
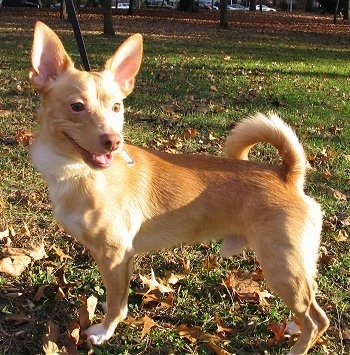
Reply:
x=103 y=161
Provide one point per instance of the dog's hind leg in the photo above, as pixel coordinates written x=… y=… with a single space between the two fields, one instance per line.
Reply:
x=288 y=271
x=116 y=273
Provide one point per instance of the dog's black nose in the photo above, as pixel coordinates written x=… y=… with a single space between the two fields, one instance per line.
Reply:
x=110 y=141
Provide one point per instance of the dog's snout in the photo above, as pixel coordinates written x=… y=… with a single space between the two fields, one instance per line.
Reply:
x=110 y=141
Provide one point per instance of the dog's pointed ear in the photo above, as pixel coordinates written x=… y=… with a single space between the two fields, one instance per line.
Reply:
x=49 y=57
x=125 y=63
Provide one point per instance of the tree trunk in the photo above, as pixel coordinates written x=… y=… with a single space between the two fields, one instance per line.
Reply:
x=186 y=5
x=223 y=14
x=309 y=5
x=335 y=14
x=346 y=9
x=252 y=5
x=108 y=29
x=63 y=10
x=131 y=7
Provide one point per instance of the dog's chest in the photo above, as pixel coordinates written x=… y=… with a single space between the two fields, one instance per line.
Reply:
x=74 y=205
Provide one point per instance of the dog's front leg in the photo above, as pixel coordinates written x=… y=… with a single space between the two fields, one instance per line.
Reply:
x=116 y=273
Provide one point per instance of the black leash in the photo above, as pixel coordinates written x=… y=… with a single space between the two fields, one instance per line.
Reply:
x=77 y=33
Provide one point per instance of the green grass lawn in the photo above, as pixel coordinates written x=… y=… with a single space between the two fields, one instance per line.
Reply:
x=196 y=81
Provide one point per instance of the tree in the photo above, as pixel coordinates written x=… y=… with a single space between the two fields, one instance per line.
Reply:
x=346 y=9
x=186 y=5
x=131 y=6
x=223 y=14
x=108 y=29
x=252 y=5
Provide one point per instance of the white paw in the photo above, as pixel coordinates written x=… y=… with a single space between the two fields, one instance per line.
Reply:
x=98 y=334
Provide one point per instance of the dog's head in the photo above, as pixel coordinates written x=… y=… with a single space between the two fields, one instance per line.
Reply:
x=82 y=111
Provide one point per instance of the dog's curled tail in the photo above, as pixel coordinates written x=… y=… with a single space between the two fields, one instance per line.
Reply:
x=270 y=129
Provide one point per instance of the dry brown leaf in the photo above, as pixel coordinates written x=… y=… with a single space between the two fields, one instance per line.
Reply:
x=14 y=265
x=190 y=333
x=4 y=234
x=50 y=338
x=148 y=324
x=218 y=350
x=60 y=253
x=189 y=133
x=24 y=137
x=87 y=311
x=245 y=288
x=342 y=236
x=195 y=333
x=222 y=328
x=40 y=293
x=160 y=302
x=338 y=195
x=59 y=296
x=37 y=252
x=153 y=284
x=345 y=332
x=278 y=330
x=211 y=262
x=173 y=279
x=74 y=330
x=187 y=266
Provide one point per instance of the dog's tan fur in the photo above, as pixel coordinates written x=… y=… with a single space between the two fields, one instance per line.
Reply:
x=120 y=200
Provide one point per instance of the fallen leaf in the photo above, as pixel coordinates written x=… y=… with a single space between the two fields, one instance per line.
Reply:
x=345 y=332
x=173 y=279
x=24 y=137
x=60 y=253
x=50 y=338
x=187 y=266
x=338 y=195
x=37 y=252
x=222 y=328
x=148 y=324
x=59 y=296
x=189 y=133
x=4 y=234
x=87 y=311
x=278 y=330
x=15 y=264
x=190 y=333
x=40 y=294
x=162 y=303
x=218 y=350
x=195 y=333
x=153 y=284
x=74 y=330
x=211 y=262
x=342 y=236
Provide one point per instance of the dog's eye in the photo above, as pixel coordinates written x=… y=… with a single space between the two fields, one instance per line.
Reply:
x=78 y=107
x=116 y=107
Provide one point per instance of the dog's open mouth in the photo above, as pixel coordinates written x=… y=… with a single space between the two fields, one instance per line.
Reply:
x=96 y=161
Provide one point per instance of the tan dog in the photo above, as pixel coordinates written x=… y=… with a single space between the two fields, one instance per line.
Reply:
x=120 y=200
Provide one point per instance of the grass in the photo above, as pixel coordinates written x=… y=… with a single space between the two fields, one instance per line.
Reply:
x=194 y=78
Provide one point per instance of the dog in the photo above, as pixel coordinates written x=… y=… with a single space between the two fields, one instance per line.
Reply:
x=120 y=200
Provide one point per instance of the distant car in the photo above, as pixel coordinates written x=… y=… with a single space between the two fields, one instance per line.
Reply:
x=204 y=5
x=22 y=3
x=123 y=5
x=265 y=8
x=236 y=7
